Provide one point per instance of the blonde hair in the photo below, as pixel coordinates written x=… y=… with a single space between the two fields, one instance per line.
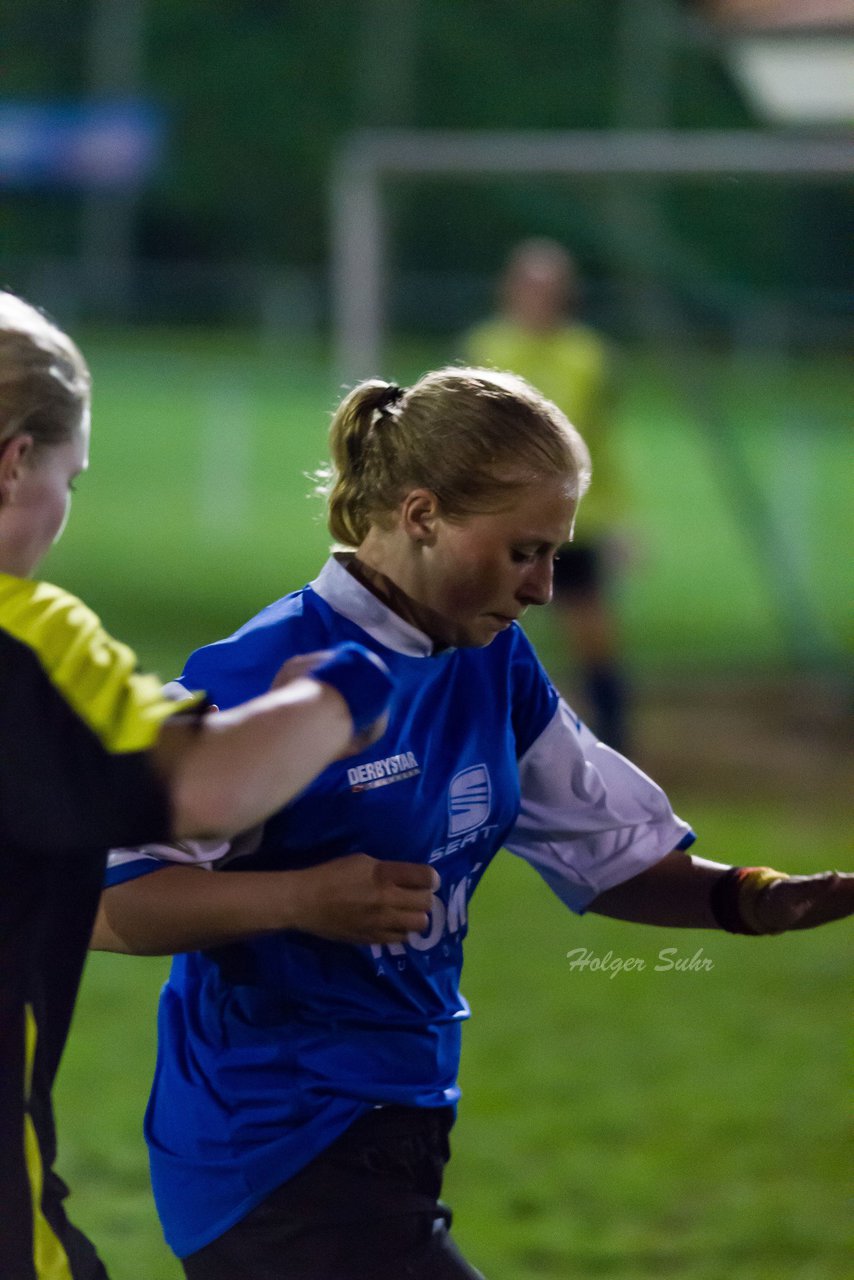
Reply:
x=472 y=436
x=44 y=381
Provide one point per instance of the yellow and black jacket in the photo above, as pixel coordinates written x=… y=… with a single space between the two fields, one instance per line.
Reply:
x=76 y=724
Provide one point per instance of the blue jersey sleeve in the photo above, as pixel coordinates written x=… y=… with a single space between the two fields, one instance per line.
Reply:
x=244 y=665
x=534 y=699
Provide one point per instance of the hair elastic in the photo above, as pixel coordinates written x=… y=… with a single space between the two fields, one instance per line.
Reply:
x=389 y=398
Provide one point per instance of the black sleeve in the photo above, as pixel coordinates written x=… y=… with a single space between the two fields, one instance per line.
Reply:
x=61 y=789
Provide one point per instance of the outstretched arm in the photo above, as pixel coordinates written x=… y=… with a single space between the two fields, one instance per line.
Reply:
x=682 y=891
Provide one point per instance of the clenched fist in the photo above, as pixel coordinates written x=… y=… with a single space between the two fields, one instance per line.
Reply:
x=361 y=899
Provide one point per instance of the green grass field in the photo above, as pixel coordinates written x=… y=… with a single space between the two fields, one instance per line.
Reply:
x=657 y=1123
x=689 y=1124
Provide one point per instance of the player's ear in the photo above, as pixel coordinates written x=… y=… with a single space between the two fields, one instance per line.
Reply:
x=419 y=513
x=15 y=453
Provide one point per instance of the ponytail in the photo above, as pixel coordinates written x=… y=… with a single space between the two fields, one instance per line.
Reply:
x=354 y=444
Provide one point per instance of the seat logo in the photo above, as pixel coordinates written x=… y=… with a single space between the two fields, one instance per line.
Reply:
x=469 y=799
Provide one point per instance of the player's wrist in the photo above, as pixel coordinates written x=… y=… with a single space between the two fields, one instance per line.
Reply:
x=736 y=899
x=293 y=900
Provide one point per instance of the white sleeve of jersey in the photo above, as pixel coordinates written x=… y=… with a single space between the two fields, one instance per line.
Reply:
x=193 y=851
x=199 y=853
x=589 y=819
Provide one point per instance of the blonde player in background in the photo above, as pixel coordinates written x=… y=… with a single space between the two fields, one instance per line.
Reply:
x=537 y=334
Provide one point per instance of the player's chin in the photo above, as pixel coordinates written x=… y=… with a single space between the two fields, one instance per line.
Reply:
x=483 y=631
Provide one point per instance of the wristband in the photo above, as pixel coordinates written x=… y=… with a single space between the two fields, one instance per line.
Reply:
x=734 y=897
x=363 y=680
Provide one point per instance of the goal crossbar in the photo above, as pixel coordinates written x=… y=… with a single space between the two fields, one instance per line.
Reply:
x=369 y=157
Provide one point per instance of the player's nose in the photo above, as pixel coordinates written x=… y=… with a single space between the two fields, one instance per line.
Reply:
x=536 y=587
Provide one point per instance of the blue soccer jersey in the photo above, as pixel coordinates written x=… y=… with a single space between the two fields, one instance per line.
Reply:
x=270 y=1048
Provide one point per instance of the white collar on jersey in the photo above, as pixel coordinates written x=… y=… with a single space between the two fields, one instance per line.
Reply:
x=346 y=595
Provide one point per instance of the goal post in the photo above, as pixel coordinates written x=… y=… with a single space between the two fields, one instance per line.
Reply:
x=370 y=158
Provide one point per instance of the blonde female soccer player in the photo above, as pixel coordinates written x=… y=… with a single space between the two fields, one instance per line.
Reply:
x=537 y=333
x=304 y=1092
x=91 y=754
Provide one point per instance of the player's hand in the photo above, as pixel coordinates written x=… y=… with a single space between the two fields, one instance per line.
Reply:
x=302 y=664
x=802 y=902
x=360 y=899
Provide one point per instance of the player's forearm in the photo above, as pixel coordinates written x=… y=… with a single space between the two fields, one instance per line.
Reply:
x=685 y=892
x=674 y=893
x=237 y=767
x=179 y=909
x=355 y=899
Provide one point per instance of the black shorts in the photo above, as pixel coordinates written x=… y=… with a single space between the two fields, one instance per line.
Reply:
x=367 y=1208
x=578 y=570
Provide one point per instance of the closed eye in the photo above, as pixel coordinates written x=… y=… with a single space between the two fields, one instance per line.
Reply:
x=527 y=555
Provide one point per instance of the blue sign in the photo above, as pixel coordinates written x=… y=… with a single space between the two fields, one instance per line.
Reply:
x=107 y=145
